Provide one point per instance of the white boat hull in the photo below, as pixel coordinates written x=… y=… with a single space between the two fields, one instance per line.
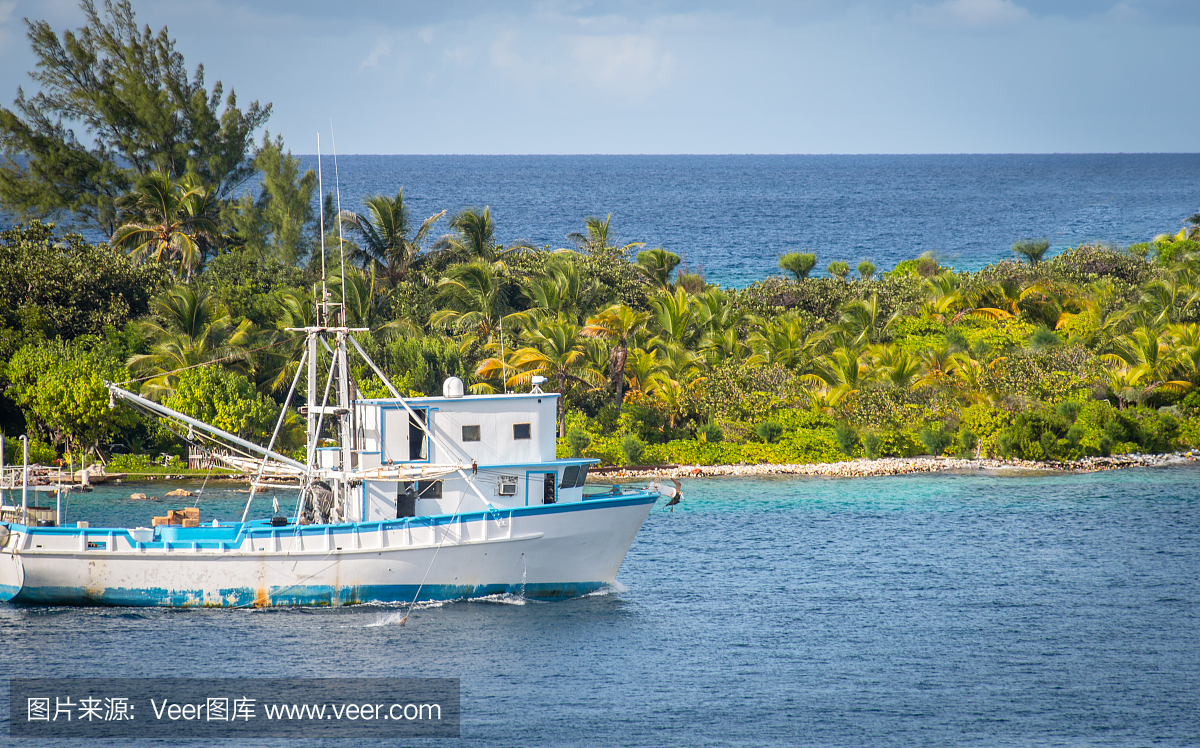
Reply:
x=551 y=551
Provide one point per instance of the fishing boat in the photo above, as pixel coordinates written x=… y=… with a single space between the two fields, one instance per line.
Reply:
x=426 y=498
x=407 y=500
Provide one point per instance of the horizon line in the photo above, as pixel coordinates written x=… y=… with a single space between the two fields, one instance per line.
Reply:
x=914 y=153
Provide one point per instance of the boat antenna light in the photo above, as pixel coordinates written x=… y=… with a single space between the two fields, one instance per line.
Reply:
x=537 y=383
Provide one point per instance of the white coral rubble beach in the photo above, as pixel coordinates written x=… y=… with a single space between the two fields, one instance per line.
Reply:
x=895 y=466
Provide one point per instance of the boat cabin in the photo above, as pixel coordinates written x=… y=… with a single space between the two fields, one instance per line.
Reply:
x=509 y=439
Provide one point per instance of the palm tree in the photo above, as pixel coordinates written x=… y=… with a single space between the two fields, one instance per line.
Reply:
x=643 y=369
x=798 y=264
x=675 y=381
x=895 y=366
x=473 y=299
x=725 y=345
x=386 y=238
x=474 y=236
x=617 y=324
x=189 y=327
x=596 y=239
x=1168 y=299
x=1032 y=249
x=863 y=319
x=656 y=266
x=1009 y=300
x=563 y=289
x=940 y=365
x=843 y=371
x=555 y=350
x=1146 y=356
x=673 y=315
x=364 y=305
x=786 y=341
x=168 y=221
x=1186 y=340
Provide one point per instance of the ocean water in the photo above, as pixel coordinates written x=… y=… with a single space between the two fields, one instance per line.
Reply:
x=734 y=215
x=943 y=610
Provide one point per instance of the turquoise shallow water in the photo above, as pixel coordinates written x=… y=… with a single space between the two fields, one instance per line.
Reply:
x=925 y=610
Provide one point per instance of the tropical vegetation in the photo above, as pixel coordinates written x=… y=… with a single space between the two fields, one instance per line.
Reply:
x=195 y=297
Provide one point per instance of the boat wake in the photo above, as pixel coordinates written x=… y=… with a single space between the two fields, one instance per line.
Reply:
x=502 y=598
x=615 y=588
x=394 y=617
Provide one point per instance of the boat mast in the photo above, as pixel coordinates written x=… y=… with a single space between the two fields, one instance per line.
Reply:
x=313 y=415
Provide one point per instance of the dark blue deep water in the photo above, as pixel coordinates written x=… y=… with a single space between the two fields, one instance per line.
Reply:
x=734 y=215
x=952 y=610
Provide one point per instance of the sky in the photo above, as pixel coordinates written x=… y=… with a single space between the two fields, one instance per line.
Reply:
x=703 y=77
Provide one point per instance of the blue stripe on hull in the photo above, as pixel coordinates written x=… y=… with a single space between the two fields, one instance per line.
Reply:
x=8 y=592
x=303 y=595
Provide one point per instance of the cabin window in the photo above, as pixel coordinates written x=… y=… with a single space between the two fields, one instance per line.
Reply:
x=579 y=479
x=570 y=474
x=470 y=433
x=521 y=431
x=429 y=489
x=548 y=493
x=417 y=449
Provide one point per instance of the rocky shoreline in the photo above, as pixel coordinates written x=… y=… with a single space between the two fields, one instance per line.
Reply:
x=863 y=468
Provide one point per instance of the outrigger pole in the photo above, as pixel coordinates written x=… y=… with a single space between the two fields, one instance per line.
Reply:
x=163 y=410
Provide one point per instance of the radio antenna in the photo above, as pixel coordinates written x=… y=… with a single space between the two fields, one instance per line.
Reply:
x=321 y=204
x=337 y=186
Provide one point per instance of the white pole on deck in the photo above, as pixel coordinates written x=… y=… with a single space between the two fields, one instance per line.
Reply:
x=25 y=481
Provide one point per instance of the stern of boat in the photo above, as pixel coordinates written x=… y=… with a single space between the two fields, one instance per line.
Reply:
x=12 y=573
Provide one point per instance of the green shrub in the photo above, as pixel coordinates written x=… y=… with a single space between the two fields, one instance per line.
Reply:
x=1042 y=338
x=1035 y=435
x=1189 y=431
x=695 y=452
x=40 y=453
x=967 y=442
x=936 y=442
x=806 y=446
x=1049 y=442
x=1068 y=410
x=769 y=431
x=871 y=445
x=847 y=438
x=578 y=440
x=132 y=464
x=838 y=269
x=633 y=449
x=710 y=432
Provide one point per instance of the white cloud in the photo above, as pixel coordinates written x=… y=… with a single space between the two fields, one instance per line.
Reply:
x=970 y=14
x=6 y=11
x=629 y=65
x=383 y=48
x=426 y=35
x=1123 y=13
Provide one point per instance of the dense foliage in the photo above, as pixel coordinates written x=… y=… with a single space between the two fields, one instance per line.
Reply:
x=195 y=301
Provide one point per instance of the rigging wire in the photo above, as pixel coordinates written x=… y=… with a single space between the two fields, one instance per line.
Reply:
x=321 y=203
x=230 y=357
x=337 y=187
x=275 y=433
